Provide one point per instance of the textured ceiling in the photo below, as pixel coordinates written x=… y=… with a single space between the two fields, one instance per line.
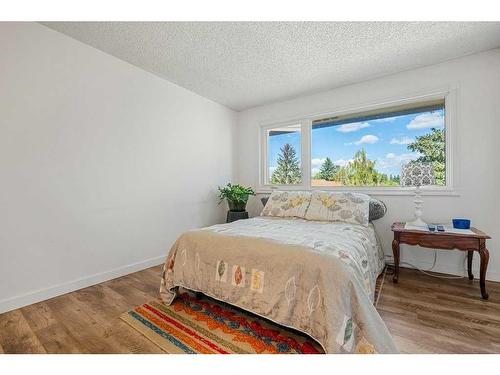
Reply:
x=246 y=64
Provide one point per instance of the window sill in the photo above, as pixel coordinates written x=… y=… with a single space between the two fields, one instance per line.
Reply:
x=381 y=191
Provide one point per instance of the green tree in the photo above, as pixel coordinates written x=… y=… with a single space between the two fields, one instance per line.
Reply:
x=343 y=176
x=432 y=148
x=328 y=170
x=363 y=170
x=394 y=179
x=288 y=170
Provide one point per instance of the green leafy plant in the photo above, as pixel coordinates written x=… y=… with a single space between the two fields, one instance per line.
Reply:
x=236 y=196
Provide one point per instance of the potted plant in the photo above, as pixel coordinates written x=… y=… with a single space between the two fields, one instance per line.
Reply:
x=236 y=196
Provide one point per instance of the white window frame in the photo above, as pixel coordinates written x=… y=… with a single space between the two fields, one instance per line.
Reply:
x=264 y=175
x=448 y=94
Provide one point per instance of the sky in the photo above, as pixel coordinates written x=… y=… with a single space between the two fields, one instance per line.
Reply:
x=385 y=141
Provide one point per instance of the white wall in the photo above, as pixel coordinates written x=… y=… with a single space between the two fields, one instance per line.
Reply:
x=102 y=164
x=476 y=153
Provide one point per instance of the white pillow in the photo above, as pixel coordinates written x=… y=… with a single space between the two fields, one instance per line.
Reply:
x=287 y=204
x=347 y=207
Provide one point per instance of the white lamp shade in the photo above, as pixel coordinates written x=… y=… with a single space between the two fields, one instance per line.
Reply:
x=417 y=174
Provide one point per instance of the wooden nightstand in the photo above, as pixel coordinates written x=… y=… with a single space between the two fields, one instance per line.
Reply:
x=446 y=241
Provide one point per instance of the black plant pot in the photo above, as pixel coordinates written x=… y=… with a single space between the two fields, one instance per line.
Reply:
x=237 y=206
x=236 y=215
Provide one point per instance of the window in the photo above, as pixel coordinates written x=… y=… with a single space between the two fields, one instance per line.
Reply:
x=284 y=155
x=369 y=149
x=359 y=149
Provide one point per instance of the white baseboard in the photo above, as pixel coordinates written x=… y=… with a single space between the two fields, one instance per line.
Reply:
x=16 y=302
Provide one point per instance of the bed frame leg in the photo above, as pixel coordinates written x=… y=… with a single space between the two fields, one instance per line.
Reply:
x=198 y=295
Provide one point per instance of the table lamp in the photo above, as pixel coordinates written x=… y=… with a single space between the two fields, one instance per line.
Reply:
x=417 y=174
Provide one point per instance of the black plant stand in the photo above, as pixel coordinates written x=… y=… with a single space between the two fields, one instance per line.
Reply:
x=236 y=215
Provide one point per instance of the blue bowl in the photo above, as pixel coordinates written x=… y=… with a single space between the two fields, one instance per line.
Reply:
x=461 y=223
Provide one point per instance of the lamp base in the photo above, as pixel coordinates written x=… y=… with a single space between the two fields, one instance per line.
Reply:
x=418 y=223
x=418 y=209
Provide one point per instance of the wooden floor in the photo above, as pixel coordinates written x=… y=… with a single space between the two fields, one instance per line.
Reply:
x=85 y=321
x=424 y=315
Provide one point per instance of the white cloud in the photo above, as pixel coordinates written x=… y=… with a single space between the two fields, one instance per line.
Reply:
x=316 y=165
x=392 y=160
x=317 y=162
x=342 y=162
x=368 y=139
x=353 y=127
x=427 y=121
x=401 y=141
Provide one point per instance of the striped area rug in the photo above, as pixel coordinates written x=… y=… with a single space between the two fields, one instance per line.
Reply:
x=199 y=324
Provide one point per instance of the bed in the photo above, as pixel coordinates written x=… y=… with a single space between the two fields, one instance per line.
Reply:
x=316 y=277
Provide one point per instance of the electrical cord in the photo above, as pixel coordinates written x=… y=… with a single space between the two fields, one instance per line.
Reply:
x=426 y=272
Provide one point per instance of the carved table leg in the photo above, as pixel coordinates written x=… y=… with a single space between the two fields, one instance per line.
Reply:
x=485 y=257
x=470 y=254
x=395 y=252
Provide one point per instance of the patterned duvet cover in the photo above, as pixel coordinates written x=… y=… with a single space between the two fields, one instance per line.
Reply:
x=316 y=277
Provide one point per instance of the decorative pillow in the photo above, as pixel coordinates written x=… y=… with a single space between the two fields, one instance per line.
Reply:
x=377 y=209
x=346 y=207
x=287 y=204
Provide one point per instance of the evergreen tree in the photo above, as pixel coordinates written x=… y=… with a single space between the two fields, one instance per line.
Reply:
x=432 y=148
x=288 y=170
x=328 y=170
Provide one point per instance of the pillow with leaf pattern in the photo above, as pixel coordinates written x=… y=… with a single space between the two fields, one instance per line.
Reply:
x=347 y=207
x=287 y=204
